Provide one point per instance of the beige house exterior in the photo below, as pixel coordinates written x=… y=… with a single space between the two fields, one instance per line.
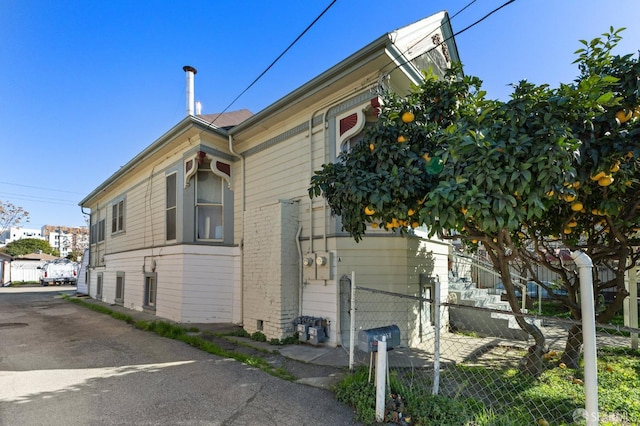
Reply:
x=213 y=223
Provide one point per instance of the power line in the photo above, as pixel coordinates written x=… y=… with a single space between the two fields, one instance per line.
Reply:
x=274 y=61
x=39 y=187
x=454 y=34
x=43 y=200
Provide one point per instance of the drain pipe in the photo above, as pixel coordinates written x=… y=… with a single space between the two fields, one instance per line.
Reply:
x=300 y=269
x=242 y=207
x=585 y=267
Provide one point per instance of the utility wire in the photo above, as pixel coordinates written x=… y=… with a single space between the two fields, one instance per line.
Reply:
x=274 y=62
x=456 y=33
x=39 y=187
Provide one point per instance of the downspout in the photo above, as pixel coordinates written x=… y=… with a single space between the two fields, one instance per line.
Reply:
x=242 y=207
x=585 y=267
x=300 y=270
x=88 y=251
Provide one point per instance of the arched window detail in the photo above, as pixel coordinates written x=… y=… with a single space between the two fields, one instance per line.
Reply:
x=218 y=167
x=351 y=123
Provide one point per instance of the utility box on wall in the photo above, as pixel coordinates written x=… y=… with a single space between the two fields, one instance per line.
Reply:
x=323 y=265
x=316 y=266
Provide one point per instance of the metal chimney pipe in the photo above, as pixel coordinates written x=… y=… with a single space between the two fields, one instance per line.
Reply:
x=198 y=108
x=191 y=71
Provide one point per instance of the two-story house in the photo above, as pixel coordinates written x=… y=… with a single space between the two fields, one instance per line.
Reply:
x=212 y=222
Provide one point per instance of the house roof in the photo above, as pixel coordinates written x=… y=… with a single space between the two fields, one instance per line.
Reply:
x=36 y=256
x=226 y=119
x=393 y=52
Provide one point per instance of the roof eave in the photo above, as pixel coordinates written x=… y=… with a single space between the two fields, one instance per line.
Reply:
x=180 y=128
x=310 y=88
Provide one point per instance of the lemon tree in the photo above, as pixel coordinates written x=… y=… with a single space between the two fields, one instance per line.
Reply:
x=517 y=176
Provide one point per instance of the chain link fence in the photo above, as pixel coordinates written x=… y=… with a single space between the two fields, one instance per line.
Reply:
x=479 y=356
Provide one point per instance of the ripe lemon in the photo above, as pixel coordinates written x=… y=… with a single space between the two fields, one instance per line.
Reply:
x=630 y=154
x=371 y=146
x=464 y=210
x=599 y=175
x=615 y=167
x=368 y=211
x=411 y=212
x=374 y=225
x=401 y=139
x=572 y=224
x=550 y=193
x=567 y=231
x=623 y=115
x=576 y=206
x=408 y=117
x=562 y=365
x=426 y=157
x=606 y=180
x=569 y=198
x=415 y=224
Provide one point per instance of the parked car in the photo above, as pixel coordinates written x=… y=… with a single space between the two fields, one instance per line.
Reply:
x=58 y=272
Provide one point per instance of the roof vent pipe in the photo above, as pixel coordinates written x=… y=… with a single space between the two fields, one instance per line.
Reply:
x=198 y=108
x=190 y=95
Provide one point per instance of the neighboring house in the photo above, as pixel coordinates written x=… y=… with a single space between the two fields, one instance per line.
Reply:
x=26 y=268
x=5 y=270
x=213 y=223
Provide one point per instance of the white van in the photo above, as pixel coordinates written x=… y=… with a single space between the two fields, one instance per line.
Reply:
x=58 y=272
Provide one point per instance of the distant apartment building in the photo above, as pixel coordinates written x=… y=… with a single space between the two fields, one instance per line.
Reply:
x=66 y=239
x=15 y=233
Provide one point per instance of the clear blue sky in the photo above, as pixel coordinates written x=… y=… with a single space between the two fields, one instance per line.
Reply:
x=86 y=85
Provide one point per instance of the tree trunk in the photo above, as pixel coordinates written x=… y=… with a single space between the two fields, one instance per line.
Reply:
x=573 y=347
x=533 y=362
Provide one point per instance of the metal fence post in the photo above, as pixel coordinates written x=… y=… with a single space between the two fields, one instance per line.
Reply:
x=589 y=335
x=352 y=323
x=381 y=377
x=436 y=343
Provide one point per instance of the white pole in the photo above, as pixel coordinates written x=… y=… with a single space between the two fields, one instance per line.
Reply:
x=381 y=368
x=436 y=343
x=631 y=305
x=352 y=322
x=585 y=267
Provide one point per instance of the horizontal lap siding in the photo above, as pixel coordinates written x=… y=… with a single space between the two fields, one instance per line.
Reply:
x=209 y=288
x=195 y=283
x=281 y=172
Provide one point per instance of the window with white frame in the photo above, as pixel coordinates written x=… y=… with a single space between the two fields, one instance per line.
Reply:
x=117 y=216
x=150 y=290
x=119 y=287
x=97 y=232
x=171 y=207
x=209 y=205
x=99 y=285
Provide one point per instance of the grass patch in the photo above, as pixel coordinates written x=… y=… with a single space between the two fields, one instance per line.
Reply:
x=177 y=332
x=501 y=395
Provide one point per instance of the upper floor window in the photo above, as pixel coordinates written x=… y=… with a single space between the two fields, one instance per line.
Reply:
x=97 y=231
x=209 y=205
x=117 y=216
x=171 y=207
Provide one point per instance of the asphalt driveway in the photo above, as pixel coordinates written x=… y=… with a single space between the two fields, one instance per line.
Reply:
x=65 y=365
